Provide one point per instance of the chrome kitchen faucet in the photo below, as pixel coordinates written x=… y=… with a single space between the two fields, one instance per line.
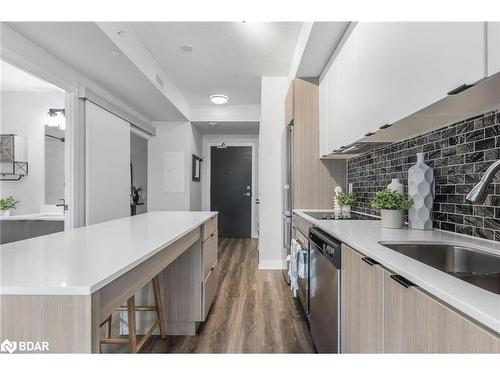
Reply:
x=479 y=192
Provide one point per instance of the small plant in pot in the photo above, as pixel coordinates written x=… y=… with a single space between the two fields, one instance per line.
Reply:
x=346 y=200
x=7 y=204
x=392 y=206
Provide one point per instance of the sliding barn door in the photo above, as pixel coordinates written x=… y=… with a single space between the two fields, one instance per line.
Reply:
x=108 y=165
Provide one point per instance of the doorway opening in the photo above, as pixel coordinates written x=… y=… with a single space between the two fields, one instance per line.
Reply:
x=231 y=189
x=138 y=174
x=33 y=156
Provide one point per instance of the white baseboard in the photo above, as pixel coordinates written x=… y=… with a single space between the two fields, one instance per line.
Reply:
x=272 y=265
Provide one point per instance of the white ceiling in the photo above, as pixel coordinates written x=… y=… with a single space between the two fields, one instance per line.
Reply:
x=84 y=46
x=14 y=79
x=227 y=57
x=236 y=128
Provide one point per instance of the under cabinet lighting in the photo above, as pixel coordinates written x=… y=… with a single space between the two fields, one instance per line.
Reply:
x=349 y=149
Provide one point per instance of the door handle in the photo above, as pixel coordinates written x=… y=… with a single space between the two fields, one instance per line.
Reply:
x=403 y=281
x=247 y=194
x=370 y=261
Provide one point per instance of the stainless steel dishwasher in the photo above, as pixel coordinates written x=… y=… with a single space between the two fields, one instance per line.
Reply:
x=324 y=291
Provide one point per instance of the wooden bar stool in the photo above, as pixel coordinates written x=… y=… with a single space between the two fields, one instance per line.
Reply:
x=134 y=345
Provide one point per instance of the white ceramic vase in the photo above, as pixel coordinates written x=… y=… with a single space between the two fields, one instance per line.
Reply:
x=5 y=213
x=393 y=219
x=346 y=211
x=336 y=204
x=396 y=185
x=421 y=190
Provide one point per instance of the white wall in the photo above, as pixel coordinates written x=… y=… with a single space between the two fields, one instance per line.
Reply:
x=195 y=186
x=173 y=136
x=234 y=140
x=25 y=113
x=272 y=128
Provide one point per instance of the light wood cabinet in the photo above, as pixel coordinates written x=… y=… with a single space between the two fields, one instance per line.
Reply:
x=289 y=104
x=324 y=105
x=415 y=322
x=210 y=253
x=210 y=285
x=383 y=312
x=189 y=294
x=210 y=266
x=209 y=228
x=313 y=180
x=362 y=303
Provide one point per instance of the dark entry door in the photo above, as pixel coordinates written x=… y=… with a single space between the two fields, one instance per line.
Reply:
x=230 y=189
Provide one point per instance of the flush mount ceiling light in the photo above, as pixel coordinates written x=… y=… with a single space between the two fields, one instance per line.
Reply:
x=219 y=98
x=114 y=52
x=187 y=48
x=212 y=124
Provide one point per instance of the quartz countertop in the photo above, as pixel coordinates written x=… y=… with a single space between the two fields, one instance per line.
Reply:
x=83 y=260
x=364 y=235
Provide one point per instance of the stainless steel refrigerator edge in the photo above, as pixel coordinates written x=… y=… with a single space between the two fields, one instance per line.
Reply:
x=288 y=197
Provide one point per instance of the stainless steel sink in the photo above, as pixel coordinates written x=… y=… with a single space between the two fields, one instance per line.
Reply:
x=471 y=265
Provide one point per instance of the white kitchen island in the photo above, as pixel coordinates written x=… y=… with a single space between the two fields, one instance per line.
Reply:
x=58 y=288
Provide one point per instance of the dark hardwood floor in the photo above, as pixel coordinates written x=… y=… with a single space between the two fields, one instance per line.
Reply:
x=252 y=313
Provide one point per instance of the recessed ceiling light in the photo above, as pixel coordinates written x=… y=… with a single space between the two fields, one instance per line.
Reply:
x=114 y=52
x=187 y=48
x=219 y=98
x=212 y=124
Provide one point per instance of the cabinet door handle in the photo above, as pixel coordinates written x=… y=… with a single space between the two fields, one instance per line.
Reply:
x=370 y=261
x=369 y=134
x=459 y=89
x=385 y=126
x=403 y=281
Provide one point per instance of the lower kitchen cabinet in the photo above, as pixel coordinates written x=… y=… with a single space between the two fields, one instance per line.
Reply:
x=415 y=322
x=382 y=312
x=362 y=300
x=17 y=230
x=190 y=284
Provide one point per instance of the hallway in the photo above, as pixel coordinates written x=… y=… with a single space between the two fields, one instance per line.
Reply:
x=253 y=311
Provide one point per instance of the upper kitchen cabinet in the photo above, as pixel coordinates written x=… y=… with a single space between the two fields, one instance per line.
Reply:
x=387 y=71
x=329 y=105
x=493 y=30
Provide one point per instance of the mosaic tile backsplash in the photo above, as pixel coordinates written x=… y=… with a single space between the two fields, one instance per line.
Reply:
x=459 y=154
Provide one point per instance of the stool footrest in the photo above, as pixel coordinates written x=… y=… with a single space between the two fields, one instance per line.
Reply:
x=138 y=308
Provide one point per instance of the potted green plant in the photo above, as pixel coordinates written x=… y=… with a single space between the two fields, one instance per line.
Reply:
x=7 y=204
x=392 y=205
x=346 y=200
